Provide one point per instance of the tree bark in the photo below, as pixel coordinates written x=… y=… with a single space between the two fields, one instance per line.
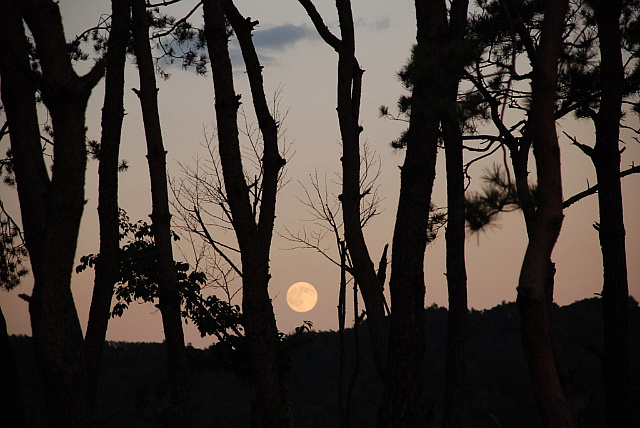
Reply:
x=107 y=266
x=534 y=275
x=606 y=158
x=51 y=209
x=270 y=407
x=169 y=296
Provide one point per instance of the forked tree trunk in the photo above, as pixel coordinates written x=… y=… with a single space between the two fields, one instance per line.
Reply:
x=270 y=408
x=533 y=282
x=169 y=296
x=51 y=209
x=348 y=108
x=348 y=94
x=519 y=150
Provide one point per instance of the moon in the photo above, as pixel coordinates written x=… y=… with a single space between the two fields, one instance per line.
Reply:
x=302 y=297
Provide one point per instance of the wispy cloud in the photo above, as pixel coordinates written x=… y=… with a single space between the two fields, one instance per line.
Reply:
x=382 y=23
x=280 y=37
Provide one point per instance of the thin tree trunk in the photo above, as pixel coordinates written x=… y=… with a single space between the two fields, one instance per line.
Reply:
x=348 y=94
x=357 y=356
x=169 y=296
x=107 y=267
x=456 y=278
x=349 y=89
x=270 y=407
x=342 y=312
x=455 y=234
x=606 y=158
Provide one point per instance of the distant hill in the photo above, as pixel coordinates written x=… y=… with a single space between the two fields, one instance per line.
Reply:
x=498 y=387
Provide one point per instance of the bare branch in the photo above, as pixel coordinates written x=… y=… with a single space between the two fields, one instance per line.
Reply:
x=214 y=244
x=304 y=241
x=164 y=3
x=594 y=189
x=587 y=150
x=321 y=27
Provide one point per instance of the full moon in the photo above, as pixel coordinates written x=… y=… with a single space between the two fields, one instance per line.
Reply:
x=302 y=297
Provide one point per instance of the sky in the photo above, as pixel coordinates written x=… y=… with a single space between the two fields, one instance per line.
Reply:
x=302 y=69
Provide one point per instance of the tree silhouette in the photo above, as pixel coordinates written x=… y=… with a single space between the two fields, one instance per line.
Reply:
x=580 y=93
x=432 y=75
x=112 y=118
x=349 y=90
x=169 y=297
x=533 y=281
x=271 y=406
x=51 y=207
x=606 y=159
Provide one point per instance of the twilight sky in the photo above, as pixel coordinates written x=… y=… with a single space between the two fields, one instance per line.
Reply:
x=303 y=68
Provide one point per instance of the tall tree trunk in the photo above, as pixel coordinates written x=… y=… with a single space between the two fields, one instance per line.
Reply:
x=455 y=233
x=52 y=213
x=606 y=158
x=107 y=267
x=270 y=407
x=403 y=402
x=348 y=94
x=456 y=281
x=519 y=149
x=534 y=275
x=169 y=296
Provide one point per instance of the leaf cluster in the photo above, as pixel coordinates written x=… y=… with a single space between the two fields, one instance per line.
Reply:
x=178 y=39
x=13 y=252
x=579 y=70
x=437 y=219
x=97 y=36
x=491 y=25
x=498 y=195
x=424 y=67
x=6 y=169
x=138 y=282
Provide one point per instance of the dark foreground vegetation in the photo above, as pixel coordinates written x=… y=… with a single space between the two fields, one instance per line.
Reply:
x=133 y=391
